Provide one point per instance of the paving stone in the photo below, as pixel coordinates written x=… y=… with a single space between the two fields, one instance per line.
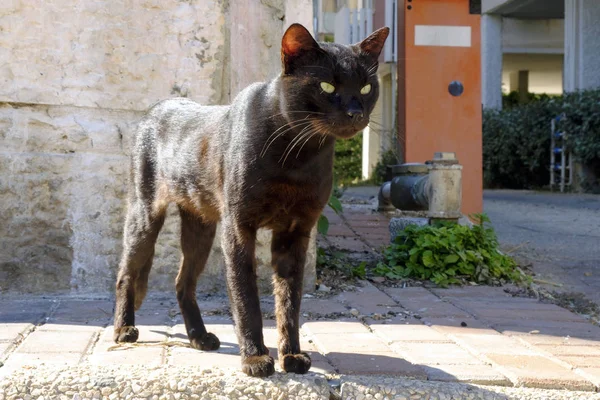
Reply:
x=571 y=350
x=349 y=244
x=409 y=333
x=368 y=300
x=592 y=374
x=513 y=303
x=66 y=328
x=56 y=342
x=550 y=340
x=319 y=307
x=543 y=313
x=554 y=328
x=4 y=347
x=88 y=312
x=451 y=325
x=338 y=327
x=349 y=342
x=435 y=353
x=493 y=344
x=409 y=294
x=424 y=303
x=581 y=361
x=150 y=356
x=475 y=374
x=18 y=311
x=148 y=334
x=201 y=359
x=340 y=230
x=14 y=331
x=18 y=360
x=473 y=293
x=375 y=364
x=539 y=372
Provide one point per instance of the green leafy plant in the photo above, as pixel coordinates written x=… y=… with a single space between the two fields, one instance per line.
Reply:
x=323 y=223
x=449 y=253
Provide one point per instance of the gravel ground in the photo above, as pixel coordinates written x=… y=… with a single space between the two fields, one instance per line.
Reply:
x=160 y=383
x=363 y=388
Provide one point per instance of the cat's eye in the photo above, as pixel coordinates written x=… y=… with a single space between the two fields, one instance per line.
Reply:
x=327 y=87
x=366 y=89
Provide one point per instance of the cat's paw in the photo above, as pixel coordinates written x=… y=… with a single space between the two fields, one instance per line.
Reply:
x=296 y=363
x=126 y=334
x=207 y=342
x=260 y=366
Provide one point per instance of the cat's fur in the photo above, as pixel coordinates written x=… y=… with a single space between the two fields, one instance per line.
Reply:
x=265 y=161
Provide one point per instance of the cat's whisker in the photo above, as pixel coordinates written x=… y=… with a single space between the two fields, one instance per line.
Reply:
x=293 y=143
x=314 y=132
x=296 y=141
x=269 y=141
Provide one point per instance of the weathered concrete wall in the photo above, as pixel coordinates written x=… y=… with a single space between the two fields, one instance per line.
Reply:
x=74 y=80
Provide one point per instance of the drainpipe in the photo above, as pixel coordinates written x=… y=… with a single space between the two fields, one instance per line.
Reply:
x=432 y=190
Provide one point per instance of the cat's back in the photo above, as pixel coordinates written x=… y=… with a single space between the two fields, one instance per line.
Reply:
x=180 y=116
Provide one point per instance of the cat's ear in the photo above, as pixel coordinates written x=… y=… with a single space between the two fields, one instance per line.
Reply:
x=373 y=44
x=296 y=43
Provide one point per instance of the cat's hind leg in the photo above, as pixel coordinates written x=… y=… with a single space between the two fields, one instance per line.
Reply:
x=196 y=241
x=288 y=251
x=140 y=233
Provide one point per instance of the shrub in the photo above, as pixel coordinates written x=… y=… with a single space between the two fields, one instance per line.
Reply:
x=387 y=158
x=516 y=140
x=448 y=254
x=516 y=145
x=347 y=165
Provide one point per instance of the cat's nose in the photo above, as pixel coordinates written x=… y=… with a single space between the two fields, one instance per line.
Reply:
x=355 y=113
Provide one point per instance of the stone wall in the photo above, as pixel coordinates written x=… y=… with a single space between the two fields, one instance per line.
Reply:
x=74 y=80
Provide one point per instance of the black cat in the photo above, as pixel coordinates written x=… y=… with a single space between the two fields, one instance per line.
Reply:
x=265 y=161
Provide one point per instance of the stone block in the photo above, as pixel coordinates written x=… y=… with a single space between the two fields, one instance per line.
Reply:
x=398 y=224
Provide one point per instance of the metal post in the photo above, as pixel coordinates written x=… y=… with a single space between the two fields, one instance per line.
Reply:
x=552 y=157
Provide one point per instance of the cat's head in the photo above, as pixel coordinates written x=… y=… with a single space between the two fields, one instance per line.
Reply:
x=332 y=85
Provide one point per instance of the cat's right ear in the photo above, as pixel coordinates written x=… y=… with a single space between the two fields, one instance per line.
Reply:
x=297 y=42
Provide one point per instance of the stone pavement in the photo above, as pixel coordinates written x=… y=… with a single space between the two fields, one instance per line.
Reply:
x=474 y=335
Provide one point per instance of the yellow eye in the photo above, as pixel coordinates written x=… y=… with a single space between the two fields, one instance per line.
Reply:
x=327 y=87
x=366 y=89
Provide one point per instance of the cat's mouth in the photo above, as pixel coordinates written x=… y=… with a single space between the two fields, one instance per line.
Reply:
x=344 y=131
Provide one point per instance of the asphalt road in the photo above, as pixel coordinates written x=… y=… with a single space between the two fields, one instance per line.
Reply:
x=562 y=228
x=559 y=234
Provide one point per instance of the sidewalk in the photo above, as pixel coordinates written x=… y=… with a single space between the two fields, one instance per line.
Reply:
x=474 y=342
x=474 y=335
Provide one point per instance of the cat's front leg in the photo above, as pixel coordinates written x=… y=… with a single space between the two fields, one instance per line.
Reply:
x=288 y=257
x=238 y=243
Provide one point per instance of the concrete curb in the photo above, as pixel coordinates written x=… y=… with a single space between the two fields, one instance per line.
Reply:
x=156 y=383
x=389 y=388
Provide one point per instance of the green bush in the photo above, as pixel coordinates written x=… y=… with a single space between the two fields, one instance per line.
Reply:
x=347 y=165
x=449 y=254
x=516 y=140
x=387 y=158
x=516 y=145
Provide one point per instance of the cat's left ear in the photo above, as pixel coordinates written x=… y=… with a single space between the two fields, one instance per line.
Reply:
x=373 y=44
x=297 y=42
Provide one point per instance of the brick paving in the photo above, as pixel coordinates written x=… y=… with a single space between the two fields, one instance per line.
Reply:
x=435 y=346
x=478 y=335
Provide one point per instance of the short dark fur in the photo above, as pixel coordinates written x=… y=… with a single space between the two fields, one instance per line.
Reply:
x=265 y=161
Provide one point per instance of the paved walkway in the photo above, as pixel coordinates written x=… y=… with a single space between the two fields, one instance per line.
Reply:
x=478 y=335
x=427 y=341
